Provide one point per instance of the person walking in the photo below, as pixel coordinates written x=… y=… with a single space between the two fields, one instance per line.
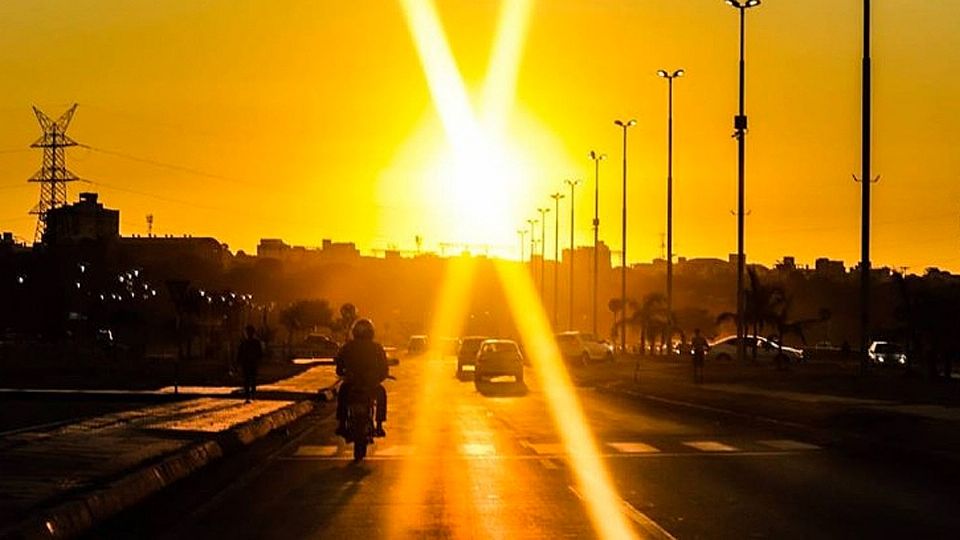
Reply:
x=249 y=355
x=698 y=346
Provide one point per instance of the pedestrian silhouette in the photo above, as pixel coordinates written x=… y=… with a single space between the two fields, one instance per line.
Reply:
x=698 y=346
x=249 y=355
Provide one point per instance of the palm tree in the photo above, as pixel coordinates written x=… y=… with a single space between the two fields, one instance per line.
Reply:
x=762 y=306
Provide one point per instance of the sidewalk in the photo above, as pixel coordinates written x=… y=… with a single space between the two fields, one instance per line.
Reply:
x=59 y=481
x=829 y=403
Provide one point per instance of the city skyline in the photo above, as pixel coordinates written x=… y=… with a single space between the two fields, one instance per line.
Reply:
x=304 y=158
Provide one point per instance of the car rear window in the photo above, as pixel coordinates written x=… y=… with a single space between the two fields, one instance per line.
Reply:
x=500 y=347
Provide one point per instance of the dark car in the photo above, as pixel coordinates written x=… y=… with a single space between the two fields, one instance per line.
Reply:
x=497 y=358
x=316 y=346
x=467 y=355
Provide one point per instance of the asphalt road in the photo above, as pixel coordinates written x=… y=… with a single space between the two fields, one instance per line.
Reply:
x=490 y=464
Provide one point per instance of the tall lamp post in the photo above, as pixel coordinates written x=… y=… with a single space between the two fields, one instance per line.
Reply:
x=597 y=158
x=865 y=181
x=533 y=236
x=670 y=77
x=543 y=247
x=740 y=132
x=573 y=184
x=522 y=233
x=623 y=240
x=556 y=256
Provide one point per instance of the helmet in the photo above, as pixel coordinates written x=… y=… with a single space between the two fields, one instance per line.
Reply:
x=362 y=329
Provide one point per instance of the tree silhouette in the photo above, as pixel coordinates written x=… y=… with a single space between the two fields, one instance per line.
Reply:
x=763 y=305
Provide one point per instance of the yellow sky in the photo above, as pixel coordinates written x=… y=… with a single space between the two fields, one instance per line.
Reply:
x=314 y=120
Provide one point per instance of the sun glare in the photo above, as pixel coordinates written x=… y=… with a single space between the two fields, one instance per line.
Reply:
x=478 y=180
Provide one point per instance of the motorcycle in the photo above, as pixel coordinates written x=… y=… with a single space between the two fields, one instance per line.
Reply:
x=361 y=411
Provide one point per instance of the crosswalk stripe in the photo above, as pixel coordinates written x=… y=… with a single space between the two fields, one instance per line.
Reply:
x=478 y=449
x=633 y=447
x=394 y=450
x=788 y=444
x=710 y=446
x=316 y=451
x=548 y=449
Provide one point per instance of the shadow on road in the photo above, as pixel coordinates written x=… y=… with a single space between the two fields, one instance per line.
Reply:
x=502 y=389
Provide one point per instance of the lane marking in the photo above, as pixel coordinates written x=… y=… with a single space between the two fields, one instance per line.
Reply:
x=649 y=526
x=633 y=447
x=549 y=464
x=710 y=446
x=529 y=457
x=308 y=450
x=789 y=444
x=397 y=450
x=478 y=450
x=547 y=449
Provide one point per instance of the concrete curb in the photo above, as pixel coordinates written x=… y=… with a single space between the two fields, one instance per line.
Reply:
x=80 y=513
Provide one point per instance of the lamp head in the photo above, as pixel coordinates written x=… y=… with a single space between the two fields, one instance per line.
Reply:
x=752 y=3
x=735 y=3
x=663 y=73
x=679 y=73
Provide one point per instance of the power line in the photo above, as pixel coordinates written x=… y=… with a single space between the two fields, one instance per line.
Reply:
x=164 y=165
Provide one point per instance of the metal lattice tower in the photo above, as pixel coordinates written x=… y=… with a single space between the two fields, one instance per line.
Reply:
x=53 y=174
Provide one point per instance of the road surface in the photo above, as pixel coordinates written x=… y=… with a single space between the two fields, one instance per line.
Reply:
x=490 y=464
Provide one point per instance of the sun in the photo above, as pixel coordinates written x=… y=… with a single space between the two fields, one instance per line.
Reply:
x=474 y=175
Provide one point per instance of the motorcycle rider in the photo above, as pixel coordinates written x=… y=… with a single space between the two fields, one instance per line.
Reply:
x=362 y=363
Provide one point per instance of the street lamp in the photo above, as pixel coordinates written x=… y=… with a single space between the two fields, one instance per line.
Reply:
x=522 y=233
x=533 y=225
x=543 y=246
x=623 y=239
x=556 y=255
x=597 y=158
x=573 y=184
x=670 y=77
x=740 y=132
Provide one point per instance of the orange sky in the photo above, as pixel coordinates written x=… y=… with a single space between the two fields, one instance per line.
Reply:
x=315 y=120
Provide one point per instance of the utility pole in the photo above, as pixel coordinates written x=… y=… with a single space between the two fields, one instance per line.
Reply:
x=669 y=255
x=573 y=184
x=53 y=175
x=597 y=158
x=543 y=248
x=533 y=242
x=623 y=248
x=865 y=181
x=556 y=257
x=740 y=133
x=522 y=233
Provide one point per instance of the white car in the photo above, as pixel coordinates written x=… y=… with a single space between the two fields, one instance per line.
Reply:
x=578 y=347
x=725 y=349
x=884 y=353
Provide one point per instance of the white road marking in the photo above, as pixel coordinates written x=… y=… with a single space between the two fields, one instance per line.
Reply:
x=549 y=464
x=548 y=449
x=316 y=451
x=649 y=526
x=710 y=446
x=477 y=449
x=397 y=450
x=633 y=447
x=788 y=444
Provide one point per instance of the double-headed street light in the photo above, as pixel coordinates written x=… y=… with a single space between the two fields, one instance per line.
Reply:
x=597 y=158
x=573 y=184
x=543 y=245
x=623 y=239
x=522 y=233
x=740 y=132
x=533 y=242
x=670 y=77
x=556 y=257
